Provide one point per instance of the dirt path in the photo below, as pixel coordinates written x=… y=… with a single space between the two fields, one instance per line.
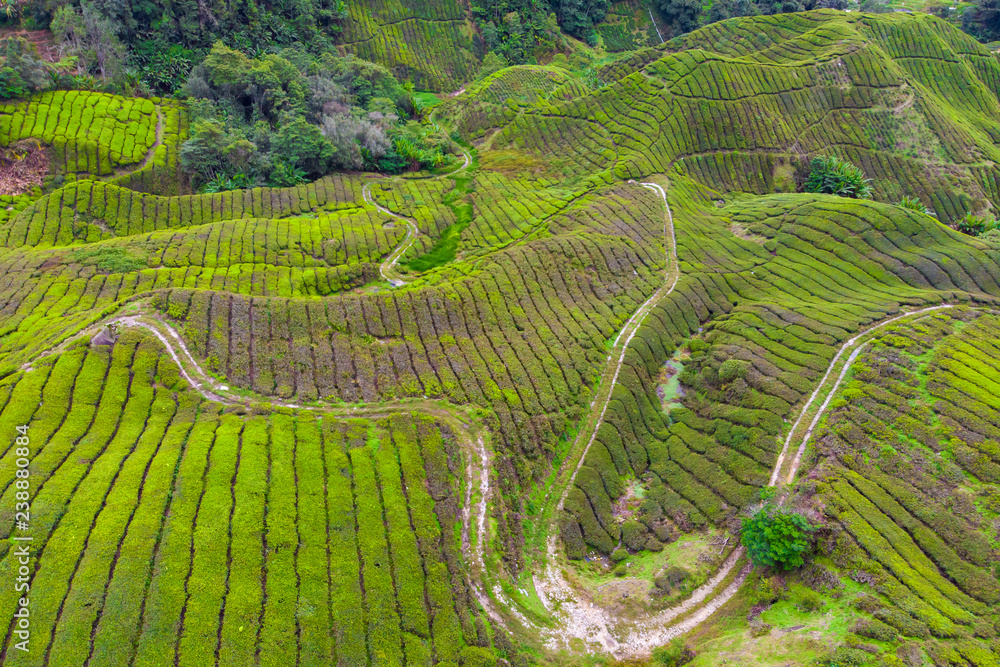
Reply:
x=388 y=267
x=580 y=619
x=576 y=618
x=470 y=434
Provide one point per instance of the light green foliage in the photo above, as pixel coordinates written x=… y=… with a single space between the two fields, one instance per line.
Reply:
x=90 y=132
x=268 y=534
x=776 y=538
x=439 y=51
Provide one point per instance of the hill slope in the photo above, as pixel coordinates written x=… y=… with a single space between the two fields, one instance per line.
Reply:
x=738 y=104
x=247 y=445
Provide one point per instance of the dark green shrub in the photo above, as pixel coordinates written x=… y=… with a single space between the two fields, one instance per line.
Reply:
x=621 y=570
x=286 y=175
x=807 y=600
x=868 y=603
x=766 y=590
x=618 y=555
x=875 y=629
x=833 y=176
x=109 y=260
x=634 y=535
x=846 y=656
x=675 y=576
x=11 y=84
x=674 y=654
x=732 y=369
x=775 y=537
x=906 y=624
x=975 y=225
x=572 y=537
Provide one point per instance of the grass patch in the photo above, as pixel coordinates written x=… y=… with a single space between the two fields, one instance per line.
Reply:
x=110 y=260
x=426 y=100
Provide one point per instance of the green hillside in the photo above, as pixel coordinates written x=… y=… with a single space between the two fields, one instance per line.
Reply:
x=431 y=44
x=737 y=104
x=517 y=409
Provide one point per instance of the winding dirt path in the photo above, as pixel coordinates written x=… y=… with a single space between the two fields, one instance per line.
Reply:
x=388 y=267
x=576 y=618
x=470 y=434
x=581 y=620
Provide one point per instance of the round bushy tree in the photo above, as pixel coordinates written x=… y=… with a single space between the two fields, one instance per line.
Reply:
x=776 y=538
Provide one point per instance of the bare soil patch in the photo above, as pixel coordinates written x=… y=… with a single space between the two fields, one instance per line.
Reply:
x=23 y=165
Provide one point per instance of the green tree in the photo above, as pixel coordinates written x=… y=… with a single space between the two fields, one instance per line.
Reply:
x=775 y=537
x=27 y=70
x=682 y=15
x=727 y=9
x=493 y=62
x=91 y=36
x=302 y=145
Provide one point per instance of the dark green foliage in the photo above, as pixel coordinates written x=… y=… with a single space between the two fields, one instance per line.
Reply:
x=726 y=9
x=492 y=63
x=875 y=629
x=301 y=145
x=775 y=537
x=682 y=15
x=110 y=260
x=285 y=117
x=578 y=17
x=11 y=84
x=672 y=577
x=732 y=369
x=914 y=204
x=975 y=225
x=163 y=68
x=982 y=20
x=521 y=31
x=674 y=654
x=21 y=69
x=634 y=535
x=833 y=176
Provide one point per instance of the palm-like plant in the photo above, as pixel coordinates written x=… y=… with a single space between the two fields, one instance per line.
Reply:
x=914 y=204
x=833 y=176
x=10 y=8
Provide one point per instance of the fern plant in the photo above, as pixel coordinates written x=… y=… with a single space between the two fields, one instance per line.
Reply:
x=975 y=225
x=833 y=176
x=914 y=204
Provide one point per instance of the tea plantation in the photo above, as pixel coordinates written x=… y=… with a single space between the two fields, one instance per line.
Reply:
x=428 y=418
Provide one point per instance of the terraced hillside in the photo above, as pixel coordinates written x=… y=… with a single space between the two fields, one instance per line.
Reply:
x=735 y=106
x=431 y=43
x=429 y=419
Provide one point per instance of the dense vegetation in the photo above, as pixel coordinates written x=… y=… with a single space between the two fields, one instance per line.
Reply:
x=289 y=117
x=338 y=350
